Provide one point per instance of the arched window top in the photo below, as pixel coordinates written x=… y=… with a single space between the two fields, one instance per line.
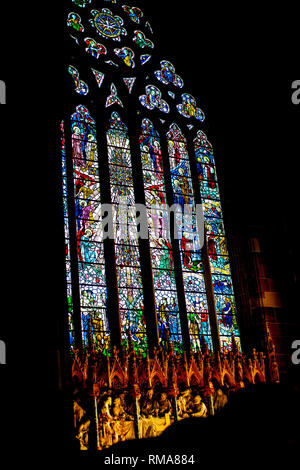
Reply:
x=82 y=116
x=116 y=123
x=175 y=133
x=148 y=128
x=203 y=148
x=201 y=141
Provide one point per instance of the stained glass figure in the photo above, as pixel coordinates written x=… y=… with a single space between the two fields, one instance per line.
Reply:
x=188 y=108
x=94 y=48
x=74 y=20
x=141 y=40
x=167 y=74
x=135 y=14
x=127 y=55
x=152 y=99
x=108 y=25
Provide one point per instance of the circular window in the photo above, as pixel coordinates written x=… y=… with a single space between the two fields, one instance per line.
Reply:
x=107 y=25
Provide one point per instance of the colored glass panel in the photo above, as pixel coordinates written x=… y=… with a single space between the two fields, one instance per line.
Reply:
x=129 y=277
x=189 y=239
x=216 y=242
x=107 y=25
x=67 y=236
x=158 y=227
x=87 y=203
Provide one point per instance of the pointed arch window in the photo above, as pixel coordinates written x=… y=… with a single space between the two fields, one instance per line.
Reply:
x=87 y=209
x=116 y=45
x=216 y=242
x=129 y=277
x=163 y=268
x=189 y=239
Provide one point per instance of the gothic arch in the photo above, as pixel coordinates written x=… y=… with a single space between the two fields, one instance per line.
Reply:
x=115 y=69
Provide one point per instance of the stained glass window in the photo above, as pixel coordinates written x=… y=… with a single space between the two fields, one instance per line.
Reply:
x=121 y=80
x=167 y=74
x=189 y=239
x=113 y=97
x=94 y=48
x=141 y=40
x=87 y=201
x=160 y=244
x=134 y=13
x=188 y=107
x=107 y=25
x=125 y=233
x=129 y=82
x=80 y=86
x=153 y=99
x=126 y=55
x=67 y=236
x=74 y=21
x=99 y=76
x=216 y=241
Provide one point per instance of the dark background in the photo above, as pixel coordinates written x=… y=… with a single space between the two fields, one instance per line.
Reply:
x=233 y=59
